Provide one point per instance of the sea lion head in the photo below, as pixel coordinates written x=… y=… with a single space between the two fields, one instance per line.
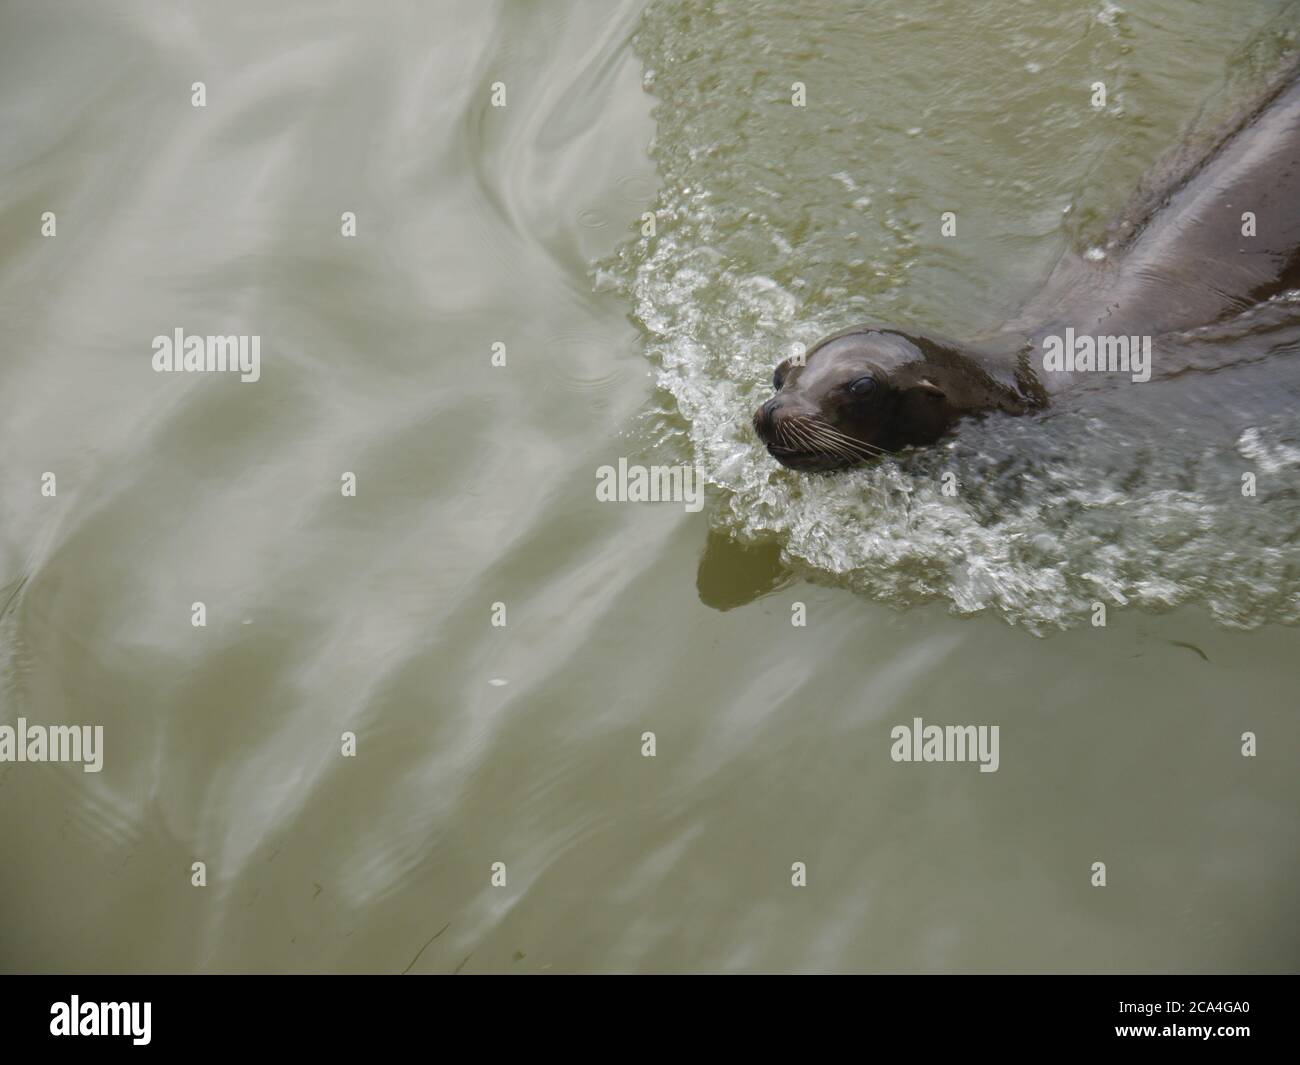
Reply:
x=864 y=393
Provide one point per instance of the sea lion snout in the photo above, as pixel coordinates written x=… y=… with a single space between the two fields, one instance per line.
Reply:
x=782 y=406
x=781 y=416
x=795 y=431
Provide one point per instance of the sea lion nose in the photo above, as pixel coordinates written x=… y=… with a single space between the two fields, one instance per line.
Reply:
x=765 y=417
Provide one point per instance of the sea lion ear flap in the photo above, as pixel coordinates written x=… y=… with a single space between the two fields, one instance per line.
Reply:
x=929 y=388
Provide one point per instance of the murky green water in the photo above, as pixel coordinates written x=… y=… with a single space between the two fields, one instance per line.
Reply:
x=479 y=226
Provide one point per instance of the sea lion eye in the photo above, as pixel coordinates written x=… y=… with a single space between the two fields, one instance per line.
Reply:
x=862 y=386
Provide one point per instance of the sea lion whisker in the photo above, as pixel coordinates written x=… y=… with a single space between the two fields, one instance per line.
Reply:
x=820 y=444
x=827 y=435
x=828 y=447
x=797 y=431
x=814 y=446
x=779 y=434
x=819 y=426
x=821 y=440
x=862 y=447
x=813 y=434
x=852 y=441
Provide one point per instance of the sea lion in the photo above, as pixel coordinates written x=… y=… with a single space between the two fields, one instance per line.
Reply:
x=1220 y=236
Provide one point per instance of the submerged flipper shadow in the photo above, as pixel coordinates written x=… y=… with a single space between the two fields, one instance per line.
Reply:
x=732 y=573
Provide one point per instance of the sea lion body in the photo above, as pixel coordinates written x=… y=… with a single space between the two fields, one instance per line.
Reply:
x=1221 y=236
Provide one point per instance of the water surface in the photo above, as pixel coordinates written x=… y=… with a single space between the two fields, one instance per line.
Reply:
x=522 y=745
